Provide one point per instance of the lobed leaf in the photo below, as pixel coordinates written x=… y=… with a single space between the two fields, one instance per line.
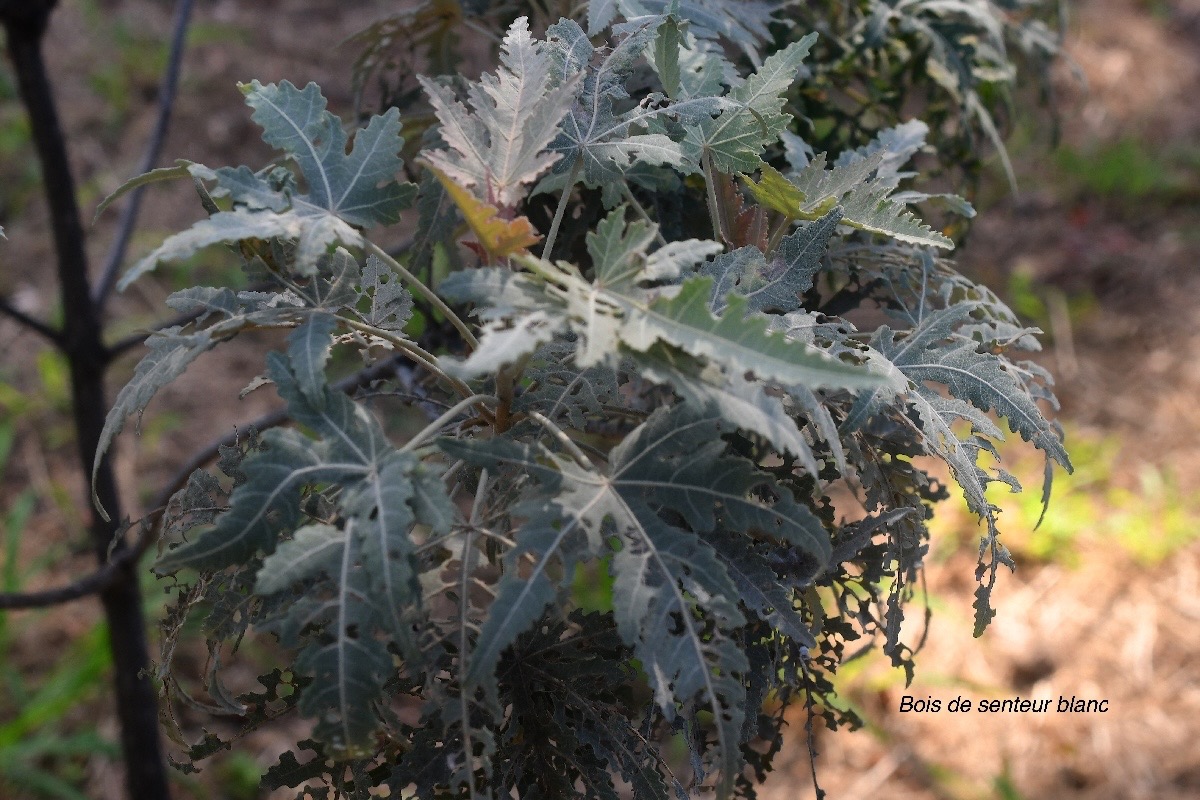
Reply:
x=606 y=144
x=499 y=147
x=753 y=117
x=346 y=191
x=865 y=201
x=737 y=340
x=665 y=575
x=772 y=285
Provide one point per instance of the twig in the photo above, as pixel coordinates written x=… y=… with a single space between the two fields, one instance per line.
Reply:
x=710 y=184
x=641 y=212
x=777 y=234
x=440 y=422
x=35 y=325
x=413 y=351
x=126 y=343
x=98 y=581
x=562 y=437
x=166 y=102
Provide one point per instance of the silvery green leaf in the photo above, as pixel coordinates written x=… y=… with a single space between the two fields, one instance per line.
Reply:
x=618 y=250
x=172 y=349
x=797 y=151
x=308 y=349
x=676 y=258
x=978 y=382
x=600 y=15
x=604 y=142
x=436 y=224
x=897 y=145
x=171 y=352
x=737 y=340
x=346 y=191
x=759 y=588
x=753 y=117
x=347 y=664
x=675 y=463
x=743 y=24
x=358 y=187
x=772 y=285
x=503 y=343
x=382 y=510
x=263 y=507
x=388 y=304
x=496 y=292
x=349 y=448
x=866 y=201
x=952 y=202
x=870 y=208
x=232 y=226
x=312 y=550
x=742 y=403
x=498 y=147
x=564 y=393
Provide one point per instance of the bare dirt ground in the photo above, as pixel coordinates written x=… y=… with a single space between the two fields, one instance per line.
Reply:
x=1115 y=271
x=1106 y=626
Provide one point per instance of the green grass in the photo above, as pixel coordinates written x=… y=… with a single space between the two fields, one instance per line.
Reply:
x=41 y=754
x=1132 y=170
x=1149 y=519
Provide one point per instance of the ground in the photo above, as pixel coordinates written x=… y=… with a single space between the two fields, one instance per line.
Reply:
x=1099 y=246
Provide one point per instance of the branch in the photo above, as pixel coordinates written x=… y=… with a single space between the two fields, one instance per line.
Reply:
x=125 y=556
x=127 y=343
x=166 y=102
x=35 y=325
x=111 y=571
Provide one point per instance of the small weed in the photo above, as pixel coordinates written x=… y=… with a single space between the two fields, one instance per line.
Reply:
x=1032 y=300
x=23 y=764
x=240 y=775
x=1005 y=788
x=35 y=753
x=1129 y=170
x=1149 y=522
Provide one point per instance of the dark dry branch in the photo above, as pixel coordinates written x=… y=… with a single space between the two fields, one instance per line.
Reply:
x=35 y=325
x=126 y=343
x=97 y=581
x=83 y=346
x=166 y=102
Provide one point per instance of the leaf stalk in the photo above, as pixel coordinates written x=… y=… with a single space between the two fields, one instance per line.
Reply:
x=559 y=212
x=440 y=422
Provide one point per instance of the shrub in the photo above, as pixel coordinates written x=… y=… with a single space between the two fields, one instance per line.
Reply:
x=677 y=377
